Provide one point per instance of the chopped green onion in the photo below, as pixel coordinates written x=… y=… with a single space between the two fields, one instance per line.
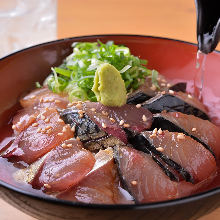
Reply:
x=76 y=75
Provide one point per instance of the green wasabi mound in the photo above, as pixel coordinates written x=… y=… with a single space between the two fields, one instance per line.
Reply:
x=109 y=86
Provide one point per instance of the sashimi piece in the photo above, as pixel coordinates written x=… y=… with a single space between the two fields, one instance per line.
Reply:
x=185 y=151
x=148 y=90
x=176 y=102
x=24 y=118
x=44 y=97
x=113 y=120
x=7 y=139
x=65 y=166
x=127 y=116
x=145 y=180
x=204 y=130
x=100 y=186
x=47 y=132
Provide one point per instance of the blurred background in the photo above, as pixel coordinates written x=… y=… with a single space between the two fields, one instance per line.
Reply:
x=27 y=22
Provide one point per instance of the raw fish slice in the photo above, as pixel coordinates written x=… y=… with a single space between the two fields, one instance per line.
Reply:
x=24 y=118
x=39 y=138
x=185 y=151
x=65 y=166
x=100 y=186
x=131 y=116
x=203 y=130
x=7 y=139
x=112 y=120
x=84 y=127
x=145 y=180
x=148 y=90
x=43 y=97
x=176 y=102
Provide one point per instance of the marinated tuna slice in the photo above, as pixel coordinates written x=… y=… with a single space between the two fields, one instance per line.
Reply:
x=202 y=131
x=24 y=118
x=7 y=139
x=112 y=120
x=145 y=180
x=65 y=166
x=100 y=186
x=43 y=97
x=84 y=128
x=149 y=90
x=47 y=132
x=176 y=102
x=185 y=151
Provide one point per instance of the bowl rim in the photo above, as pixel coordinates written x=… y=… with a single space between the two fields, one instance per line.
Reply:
x=145 y=206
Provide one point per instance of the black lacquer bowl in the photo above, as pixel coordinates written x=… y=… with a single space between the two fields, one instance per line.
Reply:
x=175 y=59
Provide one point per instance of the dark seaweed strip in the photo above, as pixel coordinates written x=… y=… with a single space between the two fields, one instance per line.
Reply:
x=85 y=128
x=179 y=87
x=141 y=143
x=172 y=103
x=138 y=98
x=164 y=124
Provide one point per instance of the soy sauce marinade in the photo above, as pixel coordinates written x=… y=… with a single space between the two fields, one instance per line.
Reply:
x=157 y=156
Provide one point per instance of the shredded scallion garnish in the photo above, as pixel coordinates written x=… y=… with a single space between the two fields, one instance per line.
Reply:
x=76 y=75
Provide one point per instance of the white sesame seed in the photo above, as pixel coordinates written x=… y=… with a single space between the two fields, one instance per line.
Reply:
x=153 y=135
x=193 y=129
x=103 y=125
x=60 y=134
x=155 y=131
x=32 y=117
x=47 y=120
x=47 y=186
x=35 y=124
x=121 y=122
x=163 y=80
x=64 y=129
x=171 y=92
x=168 y=84
x=138 y=105
x=189 y=96
x=134 y=183
x=92 y=109
x=13 y=127
x=180 y=136
x=39 y=130
x=60 y=120
x=42 y=117
x=126 y=125
x=160 y=149
x=144 y=118
x=70 y=105
x=160 y=131
x=69 y=145
x=33 y=96
x=64 y=145
x=112 y=120
x=48 y=127
x=163 y=84
x=57 y=101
